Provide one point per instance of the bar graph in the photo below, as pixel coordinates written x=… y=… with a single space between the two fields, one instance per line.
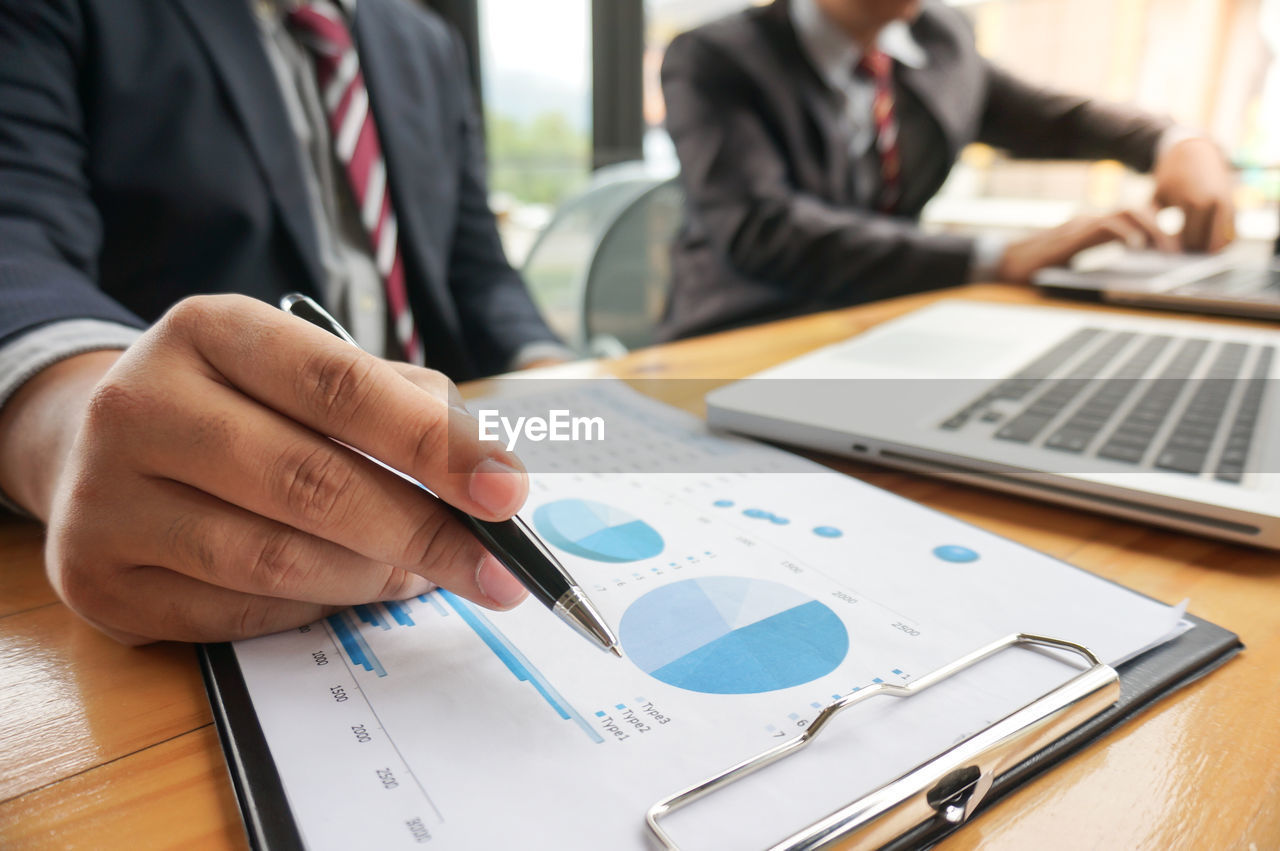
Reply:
x=379 y=616
x=353 y=644
x=399 y=612
x=434 y=600
x=517 y=663
x=371 y=617
x=380 y=620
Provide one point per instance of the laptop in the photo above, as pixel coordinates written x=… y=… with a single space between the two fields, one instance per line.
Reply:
x=1204 y=283
x=1168 y=421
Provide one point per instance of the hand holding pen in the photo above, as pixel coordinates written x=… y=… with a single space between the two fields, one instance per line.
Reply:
x=196 y=495
x=510 y=541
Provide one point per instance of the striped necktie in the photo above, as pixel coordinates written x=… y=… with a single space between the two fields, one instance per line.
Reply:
x=321 y=26
x=878 y=66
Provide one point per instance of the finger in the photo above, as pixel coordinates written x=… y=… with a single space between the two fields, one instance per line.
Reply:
x=322 y=497
x=1144 y=219
x=252 y=457
x=1222 y=227
x=1196 y=228
x=434 y=382
x=1106 y=229
x=198 y=535
x=1123 y=228
x=339 y=391
x=149 y=603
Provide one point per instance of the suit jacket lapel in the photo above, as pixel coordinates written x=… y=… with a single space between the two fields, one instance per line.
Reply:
x=231 y=37
x=927 y=84
x=951 y=87
x=818 y=99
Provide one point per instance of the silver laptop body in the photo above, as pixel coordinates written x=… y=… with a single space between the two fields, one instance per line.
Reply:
x=1218 y=283
x=1168 y=421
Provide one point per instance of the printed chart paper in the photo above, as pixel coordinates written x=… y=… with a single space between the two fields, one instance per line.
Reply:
x=744 y=601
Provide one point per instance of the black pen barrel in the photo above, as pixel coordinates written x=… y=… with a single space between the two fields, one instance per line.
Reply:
x=520 y=556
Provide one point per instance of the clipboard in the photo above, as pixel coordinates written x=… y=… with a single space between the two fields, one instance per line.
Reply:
x=913 y=811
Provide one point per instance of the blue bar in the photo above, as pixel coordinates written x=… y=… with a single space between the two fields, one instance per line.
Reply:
x=354 y=644
x=517 y=663
x=371 y=617
x=399 y=612
x=348 y=641
x=897 y=671
x=434 y=599
x=369 y=655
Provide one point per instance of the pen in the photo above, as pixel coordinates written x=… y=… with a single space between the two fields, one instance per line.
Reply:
x=511 y=542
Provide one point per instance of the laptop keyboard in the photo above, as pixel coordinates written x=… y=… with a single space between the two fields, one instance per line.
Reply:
x=1240 y=437
x=1130 y=440
x=1236 y=282
x=1195 y=417
x=1076 y=433
x=1027 y=425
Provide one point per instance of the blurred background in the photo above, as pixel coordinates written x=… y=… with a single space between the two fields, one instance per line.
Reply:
x=569 y=87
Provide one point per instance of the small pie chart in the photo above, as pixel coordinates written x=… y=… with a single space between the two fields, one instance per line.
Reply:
x=596 y=531
x=732 y=635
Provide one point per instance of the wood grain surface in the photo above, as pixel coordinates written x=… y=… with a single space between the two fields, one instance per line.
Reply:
x=103 y=746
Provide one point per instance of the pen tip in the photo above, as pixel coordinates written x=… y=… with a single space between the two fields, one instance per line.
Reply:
x=615 y=651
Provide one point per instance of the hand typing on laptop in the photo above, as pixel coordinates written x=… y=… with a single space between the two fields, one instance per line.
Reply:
x=191 y=491
x=1190 y=174
x=1193 y=176
x=1136 y=228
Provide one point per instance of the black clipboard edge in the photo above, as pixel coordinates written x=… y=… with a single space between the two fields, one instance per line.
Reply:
x=264 y=809
x=1144 y=681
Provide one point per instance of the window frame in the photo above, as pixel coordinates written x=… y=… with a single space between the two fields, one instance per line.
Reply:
x=617 y=52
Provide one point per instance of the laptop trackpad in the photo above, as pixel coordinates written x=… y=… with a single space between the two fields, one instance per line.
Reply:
x=945 y=354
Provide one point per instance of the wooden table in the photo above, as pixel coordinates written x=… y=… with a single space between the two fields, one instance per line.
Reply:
x=104 y=746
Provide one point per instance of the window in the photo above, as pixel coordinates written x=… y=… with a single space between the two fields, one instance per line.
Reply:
x=536 y=79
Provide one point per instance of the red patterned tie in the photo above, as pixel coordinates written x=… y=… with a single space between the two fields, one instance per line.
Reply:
x=878 y=66
x=321 y=27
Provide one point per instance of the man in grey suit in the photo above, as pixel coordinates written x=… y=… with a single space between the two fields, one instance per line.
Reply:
x=811 y=133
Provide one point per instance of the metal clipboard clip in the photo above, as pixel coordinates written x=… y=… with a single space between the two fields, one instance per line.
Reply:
x=950 y=786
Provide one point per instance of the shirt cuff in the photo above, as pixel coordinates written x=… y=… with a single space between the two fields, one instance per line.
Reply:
x=540 y=350
x=988 y=251
x=24 y=356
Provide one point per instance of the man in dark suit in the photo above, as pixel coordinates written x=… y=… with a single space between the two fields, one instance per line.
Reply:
x=811 y=133
x=151 y=150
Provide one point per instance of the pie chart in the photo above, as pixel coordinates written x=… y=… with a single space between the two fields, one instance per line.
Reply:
x=596 y=531
x=732 y=635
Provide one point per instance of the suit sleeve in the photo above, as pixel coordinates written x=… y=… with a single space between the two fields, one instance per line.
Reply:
x=737 y=181
x=50 y=233
x=498 y=316
x=1036 y=123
